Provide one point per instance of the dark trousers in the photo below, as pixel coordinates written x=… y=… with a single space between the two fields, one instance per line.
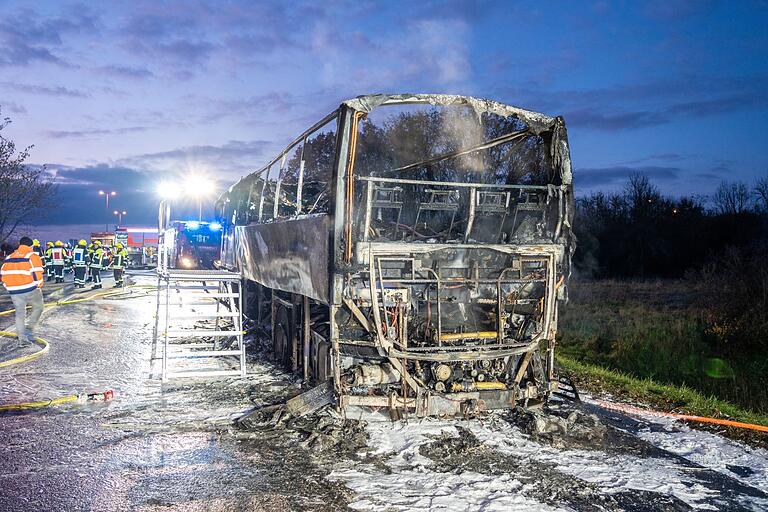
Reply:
x=49 y=270
x=58 y=272
x=96 y=276
x=80 y=275
x=119 y=276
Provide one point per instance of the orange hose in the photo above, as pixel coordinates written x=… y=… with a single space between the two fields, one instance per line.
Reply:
x=701 y=419
x=350 y=182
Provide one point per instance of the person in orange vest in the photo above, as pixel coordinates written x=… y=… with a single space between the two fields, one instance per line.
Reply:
x=58 y=259
x=22 y=275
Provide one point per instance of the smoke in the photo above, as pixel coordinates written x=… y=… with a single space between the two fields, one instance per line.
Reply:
x=461 y=128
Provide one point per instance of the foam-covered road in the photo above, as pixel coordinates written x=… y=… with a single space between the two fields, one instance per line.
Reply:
x=173 y=446
x=153 y=447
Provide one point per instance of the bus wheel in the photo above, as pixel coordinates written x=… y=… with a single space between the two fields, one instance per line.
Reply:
x=281 y=339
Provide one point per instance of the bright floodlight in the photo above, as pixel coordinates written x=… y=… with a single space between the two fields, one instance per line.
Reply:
x=214 y=226
x=167 y=190
x=198 y=186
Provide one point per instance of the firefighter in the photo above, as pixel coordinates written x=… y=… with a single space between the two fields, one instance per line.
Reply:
x=80 y=260
x=36 y=247
x=119 y=262
x=97 y=263
x=48 y=263
x=58 y=260
x=89 y=277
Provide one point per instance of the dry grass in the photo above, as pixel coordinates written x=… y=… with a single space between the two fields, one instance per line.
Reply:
x=655 y=330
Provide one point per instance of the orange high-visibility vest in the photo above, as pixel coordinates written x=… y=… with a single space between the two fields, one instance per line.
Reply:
x=22 y=271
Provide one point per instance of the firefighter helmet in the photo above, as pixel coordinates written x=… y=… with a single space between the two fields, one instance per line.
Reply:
x=49 y=244
x=59 y=243
x=35 y=243
x=81 y=243
x=118 y=245
x=96 y=243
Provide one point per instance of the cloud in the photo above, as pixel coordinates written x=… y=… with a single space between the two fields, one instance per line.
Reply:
x=28 y=37
x=13 y=108
x=604 y=176
x=647 y=103
x=255 y=106
x=78 y=201
x=125 y=71
x=44 y=90
x=231 y=158
x=666 y=157
x=174 y=37
x=617 y=120
x=64 y=134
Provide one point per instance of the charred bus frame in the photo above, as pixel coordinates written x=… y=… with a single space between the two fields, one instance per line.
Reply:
x=352 y=288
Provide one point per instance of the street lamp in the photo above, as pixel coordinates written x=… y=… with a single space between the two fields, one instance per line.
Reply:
x=198 y=187
x=106 y=196
x=119 y=216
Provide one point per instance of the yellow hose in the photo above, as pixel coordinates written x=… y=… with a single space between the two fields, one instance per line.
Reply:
x=92 y=397
x=28 y=357
x=41 y=403
x=44 y=343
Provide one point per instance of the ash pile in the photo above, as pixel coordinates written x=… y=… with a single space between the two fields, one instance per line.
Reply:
x=308 y=420
x=560 y=427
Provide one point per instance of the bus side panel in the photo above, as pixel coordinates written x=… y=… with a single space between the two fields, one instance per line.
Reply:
x=290 y=255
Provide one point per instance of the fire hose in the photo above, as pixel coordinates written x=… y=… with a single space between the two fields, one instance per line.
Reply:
x=28 y=357
x=40 y=341
x=80 y=398
x=103 y=396
x=630 y=409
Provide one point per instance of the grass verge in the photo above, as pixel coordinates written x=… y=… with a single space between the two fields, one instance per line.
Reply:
x=664 y=397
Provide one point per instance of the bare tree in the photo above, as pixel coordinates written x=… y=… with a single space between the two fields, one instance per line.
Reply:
x=731 y=198
x=24 y=189
x=761 y=192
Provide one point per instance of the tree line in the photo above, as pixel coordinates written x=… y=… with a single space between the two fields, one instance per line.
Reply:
x=641 y=233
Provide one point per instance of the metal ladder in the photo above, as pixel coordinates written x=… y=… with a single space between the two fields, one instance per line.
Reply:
x=206 y=290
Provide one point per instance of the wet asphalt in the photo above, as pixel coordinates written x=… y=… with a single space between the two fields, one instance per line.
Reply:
x=154 y=447
x=173 y=446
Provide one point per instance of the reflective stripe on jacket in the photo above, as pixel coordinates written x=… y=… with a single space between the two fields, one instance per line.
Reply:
x=22 y=271
x=80 y=257
x=97 y=260
x=58 y=255
x=120 y=259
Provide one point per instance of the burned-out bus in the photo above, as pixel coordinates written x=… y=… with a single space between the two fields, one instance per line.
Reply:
x=413 y=249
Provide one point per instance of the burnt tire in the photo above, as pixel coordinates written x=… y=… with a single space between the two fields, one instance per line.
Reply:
x=281 y=339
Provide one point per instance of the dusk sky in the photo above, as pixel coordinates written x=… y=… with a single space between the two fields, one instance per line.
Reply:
x=122 y=95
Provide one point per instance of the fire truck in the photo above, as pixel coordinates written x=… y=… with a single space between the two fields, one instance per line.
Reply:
x=197 y=244
x=141 y=244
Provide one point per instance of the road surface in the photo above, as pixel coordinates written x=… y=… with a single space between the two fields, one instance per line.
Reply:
x=175 y=447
